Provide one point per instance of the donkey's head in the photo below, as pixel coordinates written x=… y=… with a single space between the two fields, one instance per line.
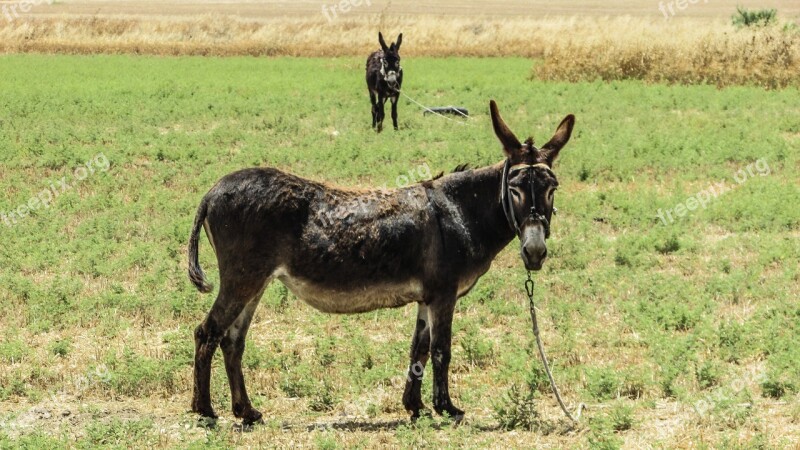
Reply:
x=391 y=60
x=529 y=185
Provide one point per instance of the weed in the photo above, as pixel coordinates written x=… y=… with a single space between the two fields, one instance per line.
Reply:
x=324 y=399
x=602 y=433
x=708 y=374
x=621 y=417
x=478 y=350
x=517 y=411
x=326 y=441
x=13 y=351
x=61 y=347
x=757 y=18
x=118 y=433
x=603 y=384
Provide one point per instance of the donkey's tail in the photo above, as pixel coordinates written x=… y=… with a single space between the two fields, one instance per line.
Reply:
x=196 y=275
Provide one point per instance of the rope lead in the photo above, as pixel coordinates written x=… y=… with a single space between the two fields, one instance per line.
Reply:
x=529 y=290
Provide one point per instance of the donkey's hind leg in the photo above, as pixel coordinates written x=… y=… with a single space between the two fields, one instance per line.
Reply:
x=232 y=348
x=229 y=305
x=420 y=352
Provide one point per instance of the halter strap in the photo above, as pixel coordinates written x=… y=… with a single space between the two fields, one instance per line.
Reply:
x=383 y=69
x=517 y=167
x=508 y=207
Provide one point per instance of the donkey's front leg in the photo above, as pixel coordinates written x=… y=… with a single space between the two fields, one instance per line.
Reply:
x=394 y=111
x=420 y=352
x=373 y=101
x=380 y=108
x=441 y=314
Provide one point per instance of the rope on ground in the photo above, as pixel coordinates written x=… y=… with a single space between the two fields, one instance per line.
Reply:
x=434 y=112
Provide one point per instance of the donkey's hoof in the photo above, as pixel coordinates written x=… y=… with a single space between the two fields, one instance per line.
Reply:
x=252 y=417
x=452 y=412
x=423 y=412
x=205 y=411
x=455 y=414
x=207 y=422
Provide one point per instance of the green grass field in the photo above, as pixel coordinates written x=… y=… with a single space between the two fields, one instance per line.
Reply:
x=675 y=332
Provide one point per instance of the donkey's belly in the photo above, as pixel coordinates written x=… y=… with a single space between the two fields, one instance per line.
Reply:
x=355 y=300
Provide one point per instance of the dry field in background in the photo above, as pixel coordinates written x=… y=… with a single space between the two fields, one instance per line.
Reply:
x=698 y=45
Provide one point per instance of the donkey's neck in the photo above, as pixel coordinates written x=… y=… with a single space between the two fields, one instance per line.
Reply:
x=472 y=210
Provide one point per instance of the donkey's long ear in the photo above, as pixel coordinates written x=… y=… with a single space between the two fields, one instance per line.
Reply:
x=510 y=142
x=382 y=42
x=559 y=140
x=399 y=41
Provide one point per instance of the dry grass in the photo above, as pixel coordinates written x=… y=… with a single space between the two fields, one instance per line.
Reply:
x=691 y=54
x=690 y=50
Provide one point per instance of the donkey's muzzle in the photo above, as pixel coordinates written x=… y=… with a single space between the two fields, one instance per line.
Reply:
x=391 y=80
x=533 y=256
x=533 y=249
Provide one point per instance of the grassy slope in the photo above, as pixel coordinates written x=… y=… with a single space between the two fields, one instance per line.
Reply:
x=642 y=320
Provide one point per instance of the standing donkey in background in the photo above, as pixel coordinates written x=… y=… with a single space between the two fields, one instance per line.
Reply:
x=384 y=80
x=427 y=244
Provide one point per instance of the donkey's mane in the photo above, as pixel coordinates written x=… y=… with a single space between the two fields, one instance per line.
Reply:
x=459 y=168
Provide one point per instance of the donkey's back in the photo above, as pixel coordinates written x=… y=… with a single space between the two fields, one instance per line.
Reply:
x=341 y=251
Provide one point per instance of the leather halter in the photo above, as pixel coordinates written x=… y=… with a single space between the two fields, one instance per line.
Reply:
x=385 y=75
x=508 y=206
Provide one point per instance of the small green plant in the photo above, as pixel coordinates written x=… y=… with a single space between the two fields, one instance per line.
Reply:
x=277 y=297
x=670 y=245
x=755 y=18
x=621 y=417
x=732 y=409
x=326 y=441
x=324 y=349
x=118 y=432
x=602 y=434
x=13 y=351
x=537 y=379
x=708 y=374
x=603 y=384
x=479 y=351
x=324 y=399
x=419 y=434
x=298 y=382
x=134 y=374
x=517 y=411
x=61 y=347
x=633 y=384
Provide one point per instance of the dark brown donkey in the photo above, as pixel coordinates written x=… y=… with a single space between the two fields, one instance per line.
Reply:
x=384 y=80
x=347 y=251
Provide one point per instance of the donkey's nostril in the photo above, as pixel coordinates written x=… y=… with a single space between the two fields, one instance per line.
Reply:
x=544 y=253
